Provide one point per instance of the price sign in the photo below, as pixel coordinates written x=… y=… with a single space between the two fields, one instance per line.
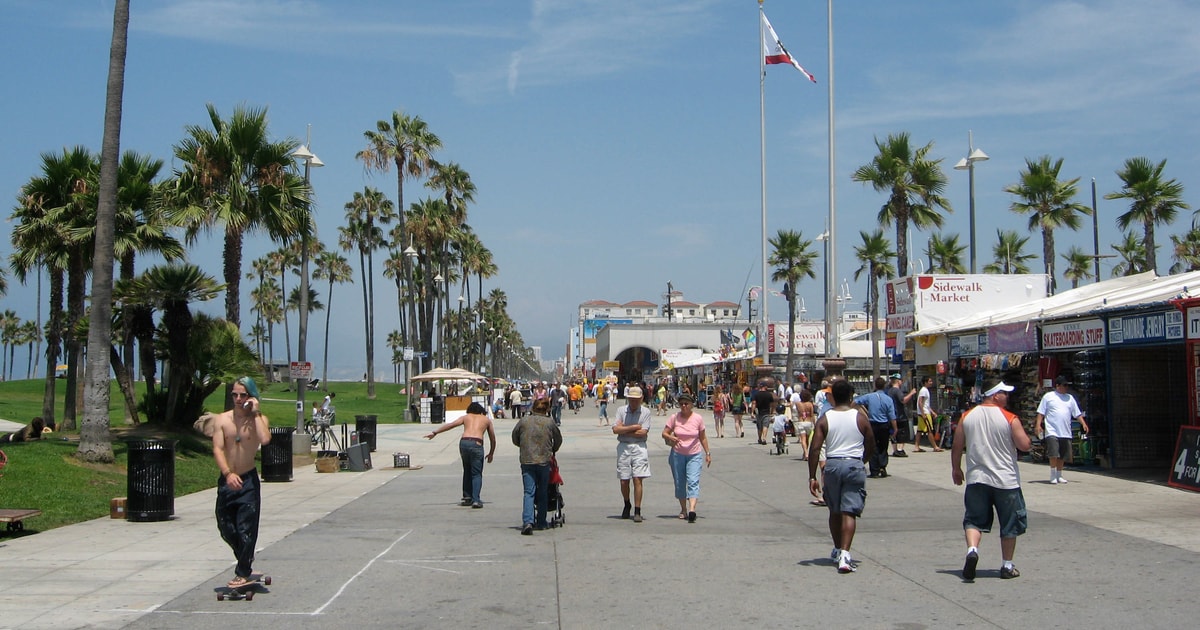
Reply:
x=299 y=369
x=1185 y=471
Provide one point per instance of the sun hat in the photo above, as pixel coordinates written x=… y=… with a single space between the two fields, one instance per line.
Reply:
x=997 y=388
x=634 y=392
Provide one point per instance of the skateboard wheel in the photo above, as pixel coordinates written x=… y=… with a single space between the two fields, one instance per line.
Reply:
x=249 y=596
x=267 y=580
x=220 y=597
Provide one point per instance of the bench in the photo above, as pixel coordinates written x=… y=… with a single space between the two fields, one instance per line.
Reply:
x=15 y=518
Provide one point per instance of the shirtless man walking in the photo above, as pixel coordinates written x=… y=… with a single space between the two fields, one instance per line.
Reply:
x=237 y=436
x=470 y=448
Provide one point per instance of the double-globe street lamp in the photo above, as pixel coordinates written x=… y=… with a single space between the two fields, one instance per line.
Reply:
x=968 y=164
x=310 y=160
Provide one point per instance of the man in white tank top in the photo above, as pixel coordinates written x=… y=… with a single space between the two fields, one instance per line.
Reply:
x=991 y=436
x=846 y=434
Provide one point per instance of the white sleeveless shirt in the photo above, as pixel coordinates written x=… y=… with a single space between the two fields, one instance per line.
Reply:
x=844 y=439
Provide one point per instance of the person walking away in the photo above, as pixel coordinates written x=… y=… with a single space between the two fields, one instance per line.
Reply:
x=538 y=438
x=237 y=435
x=925 y=417
x=515 y=402
x=575 y=394
x=804 y=420
x=602 y=391
x=660 y=396
x=470 y=448
x=779 y=427
x=631 y=427
x=900 y=402
x=685 y=434
x=720 y=404
x=763 y=406
x=991 y=436
x=1056 y=410
x=740 y=400
x=882 y=415
x=557 y=397
x=848 y=439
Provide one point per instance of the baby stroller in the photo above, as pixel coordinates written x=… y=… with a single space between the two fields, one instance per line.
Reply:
x=554 y=498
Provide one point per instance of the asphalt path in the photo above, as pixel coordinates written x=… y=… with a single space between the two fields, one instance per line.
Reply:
x=405 y=555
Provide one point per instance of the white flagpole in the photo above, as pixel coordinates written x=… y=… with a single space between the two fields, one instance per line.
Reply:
x=832 y=324
x=761 y=342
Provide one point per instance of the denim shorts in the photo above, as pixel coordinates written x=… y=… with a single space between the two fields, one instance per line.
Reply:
x=1009 y=505
x=845 y=486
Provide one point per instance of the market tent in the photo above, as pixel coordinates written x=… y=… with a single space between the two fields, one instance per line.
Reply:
x=436 y=374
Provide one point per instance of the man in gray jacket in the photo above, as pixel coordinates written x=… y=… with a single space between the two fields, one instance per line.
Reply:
x=539 y=439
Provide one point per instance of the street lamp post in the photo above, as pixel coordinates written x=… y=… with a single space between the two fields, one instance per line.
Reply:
x=968 y=164
x=310 y=160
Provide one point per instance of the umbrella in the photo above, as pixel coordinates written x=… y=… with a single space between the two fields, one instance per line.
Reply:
x=436 y=374
x=461 y=374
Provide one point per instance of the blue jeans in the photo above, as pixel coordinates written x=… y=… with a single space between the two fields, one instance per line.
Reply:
x=535 y=478
x=472 y=460
x=685 y=470
x=556 y=413
x=237 y=518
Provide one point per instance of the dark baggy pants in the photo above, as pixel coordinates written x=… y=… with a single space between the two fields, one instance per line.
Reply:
x=237 y=519
x=882 y=432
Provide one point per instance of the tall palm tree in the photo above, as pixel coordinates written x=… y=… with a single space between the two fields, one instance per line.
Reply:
x=1186 y=251
x=267 y=300
x=1152 y=201
x=406 y=143
x=333 y=267
x=1049 y=202
x=1132 y=252
x=282 y=261
x=875 y=258
x=369 y=210
x=945 y=254
x=1009 y=253
x=1079 y=265
x=234 y=176
x=30 y=335
x=914 y=185
x=792 y=259
x=10 y=327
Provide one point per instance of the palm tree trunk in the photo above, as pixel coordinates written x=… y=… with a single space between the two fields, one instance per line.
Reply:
x=53 y=344
x=370 y=326
x=1048 y=255
x=1151 y=249
x=325 y=356
x=874 y=297
x=95 y=440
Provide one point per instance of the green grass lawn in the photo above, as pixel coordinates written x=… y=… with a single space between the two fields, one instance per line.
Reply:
x=45 y=474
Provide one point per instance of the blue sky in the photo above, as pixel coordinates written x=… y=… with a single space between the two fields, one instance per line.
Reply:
x=615 y=143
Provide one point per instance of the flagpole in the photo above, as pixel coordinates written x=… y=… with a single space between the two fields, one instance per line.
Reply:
x=760 y=342
x=834 y=364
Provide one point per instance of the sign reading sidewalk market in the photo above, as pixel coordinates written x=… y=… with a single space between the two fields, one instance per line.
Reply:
x=1185 y=472
x=925 y=301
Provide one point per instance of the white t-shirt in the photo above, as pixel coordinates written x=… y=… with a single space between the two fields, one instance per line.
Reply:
x=923 y=407
x=779 y=424
x=843 y=439
x=1059 y=410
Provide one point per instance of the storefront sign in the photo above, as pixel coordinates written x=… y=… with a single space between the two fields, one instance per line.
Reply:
x=1193 y=322
x=939 y=299
x=899 y=305
x=1185 y=470
x=1087 y=333
x=809 y=338
x=612 y=365
x=968 y=345
x=1152 y=328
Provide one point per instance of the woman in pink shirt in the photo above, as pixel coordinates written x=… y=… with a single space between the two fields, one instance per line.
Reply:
x=684 y=433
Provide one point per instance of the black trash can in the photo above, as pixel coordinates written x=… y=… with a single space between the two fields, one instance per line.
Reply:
x=365 y=426
x=150 y=481
x=437 y=411
x=277 y=456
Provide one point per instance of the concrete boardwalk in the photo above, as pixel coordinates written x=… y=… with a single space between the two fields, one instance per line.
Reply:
x=390 y=548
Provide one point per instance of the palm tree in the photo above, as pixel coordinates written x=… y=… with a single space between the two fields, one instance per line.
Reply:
x=1049 y=204
x=1009 y=253
x=792 y=259
x=406 y=143
x=945 y=254
x=235 y=177
x=874 y=256
x=282 y=261
x=1132 y=252
x=30 y=335
x=1079 y=266
x=914 y=185
x=1186 y=251
x=1152 y=201
x=364 y=215
x=10 y=326
x=267 y=300
x=334 y=267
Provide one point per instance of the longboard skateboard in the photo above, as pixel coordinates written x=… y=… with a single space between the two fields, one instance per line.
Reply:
x=245 y=591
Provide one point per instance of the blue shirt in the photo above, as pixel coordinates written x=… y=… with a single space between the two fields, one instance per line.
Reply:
x=879 y=406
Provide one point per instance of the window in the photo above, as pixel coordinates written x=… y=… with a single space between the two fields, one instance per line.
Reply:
x=629 y=311
x=691 y=311
x=726 y=313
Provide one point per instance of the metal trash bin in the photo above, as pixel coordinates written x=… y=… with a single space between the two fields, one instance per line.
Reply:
x=437 y=411
x=365 y=426
x=277 y=455
x=150 y=481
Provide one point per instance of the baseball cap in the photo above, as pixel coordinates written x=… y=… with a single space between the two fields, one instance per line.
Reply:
x=897 y=377
x=634 y=392
x=1062 y=380
x=997 y=388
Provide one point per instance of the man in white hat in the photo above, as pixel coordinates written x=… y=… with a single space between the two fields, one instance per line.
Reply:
x=991 y=436
x=632 y=426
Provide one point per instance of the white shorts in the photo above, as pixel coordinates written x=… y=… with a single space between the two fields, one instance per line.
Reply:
x=633 y=460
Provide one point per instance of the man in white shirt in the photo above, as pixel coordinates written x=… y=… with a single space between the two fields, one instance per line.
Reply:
x=925 y=416
x=846 y=434
x=1057 y=409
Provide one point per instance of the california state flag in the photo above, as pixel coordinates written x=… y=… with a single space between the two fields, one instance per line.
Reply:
x=773 y=49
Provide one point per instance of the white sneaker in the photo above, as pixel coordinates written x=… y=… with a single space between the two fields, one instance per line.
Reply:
x=1062 y=479
x=835 y=554
x=846 y=563
x=1054 y=480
